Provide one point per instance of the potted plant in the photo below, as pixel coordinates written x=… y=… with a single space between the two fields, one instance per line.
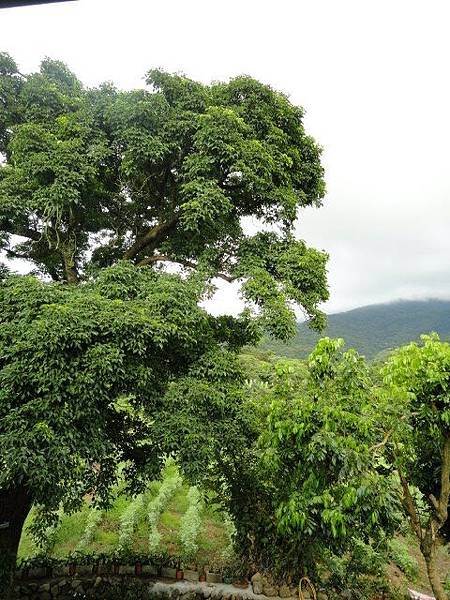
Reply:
x=171 y=567
x=138 y=562
x=190 y=568
x=83 y=562
x=104 y=563
x=213 y=573
x=176 y=561
x=202 y=568
x=116 y=560
x=151 y=563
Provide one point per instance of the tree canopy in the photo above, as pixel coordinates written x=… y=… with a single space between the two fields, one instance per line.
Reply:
x=207 y=177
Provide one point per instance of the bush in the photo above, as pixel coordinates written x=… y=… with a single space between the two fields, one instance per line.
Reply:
x=359 y=574
x=45 y=537
x=398 y=552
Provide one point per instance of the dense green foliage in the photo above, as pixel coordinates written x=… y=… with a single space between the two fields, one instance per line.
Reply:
x=297 y=466
x=312 y=463
x=84 y=372
x=372 y=330
x=322 y=429
x=168 y=174
x=303 y=460
x=81 y=366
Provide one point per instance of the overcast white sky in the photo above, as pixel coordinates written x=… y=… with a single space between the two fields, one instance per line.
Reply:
x=373 y=76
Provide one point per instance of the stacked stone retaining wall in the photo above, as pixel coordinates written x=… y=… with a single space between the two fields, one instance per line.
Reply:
x=131 y=588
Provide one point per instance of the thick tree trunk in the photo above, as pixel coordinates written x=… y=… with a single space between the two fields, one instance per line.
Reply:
x=150 y=239
x=15 y=504
x=433 y=575
x=428 y=537
x=70 y=267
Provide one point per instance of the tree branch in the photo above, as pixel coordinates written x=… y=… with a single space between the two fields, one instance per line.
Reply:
x=14 y=254
x=31 y=234
x=383 y=442
x=150 y=239
x=445 y=481
x=25 y=232
x=408 y=502
x=434 y=502
x=186 y=263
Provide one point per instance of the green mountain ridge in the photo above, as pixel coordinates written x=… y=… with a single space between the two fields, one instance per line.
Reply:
x=372 y=329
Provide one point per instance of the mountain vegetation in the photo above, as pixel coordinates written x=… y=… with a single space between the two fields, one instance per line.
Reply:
x=372 y=330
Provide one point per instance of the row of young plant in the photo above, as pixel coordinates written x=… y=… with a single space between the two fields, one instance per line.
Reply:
x=191 y=523
x=143 y=506
x=158 y=505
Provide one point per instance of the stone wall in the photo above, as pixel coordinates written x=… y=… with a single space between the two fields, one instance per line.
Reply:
x=129 y=587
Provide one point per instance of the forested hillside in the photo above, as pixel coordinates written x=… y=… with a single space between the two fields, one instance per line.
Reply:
x=373 y=329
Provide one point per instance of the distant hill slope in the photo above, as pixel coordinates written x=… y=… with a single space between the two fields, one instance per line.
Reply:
x=373 y=329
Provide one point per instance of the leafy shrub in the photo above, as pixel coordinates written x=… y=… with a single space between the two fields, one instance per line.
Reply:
x=124 y=557
x=39 y=560
x=398 y=552
x=358 y=574
x=44 y=536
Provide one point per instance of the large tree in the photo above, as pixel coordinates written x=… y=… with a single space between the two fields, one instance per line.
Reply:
x=100 y=188
x=202 y=176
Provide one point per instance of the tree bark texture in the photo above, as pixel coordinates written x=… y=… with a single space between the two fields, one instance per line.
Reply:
x=15 y=504
x=429 y=552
